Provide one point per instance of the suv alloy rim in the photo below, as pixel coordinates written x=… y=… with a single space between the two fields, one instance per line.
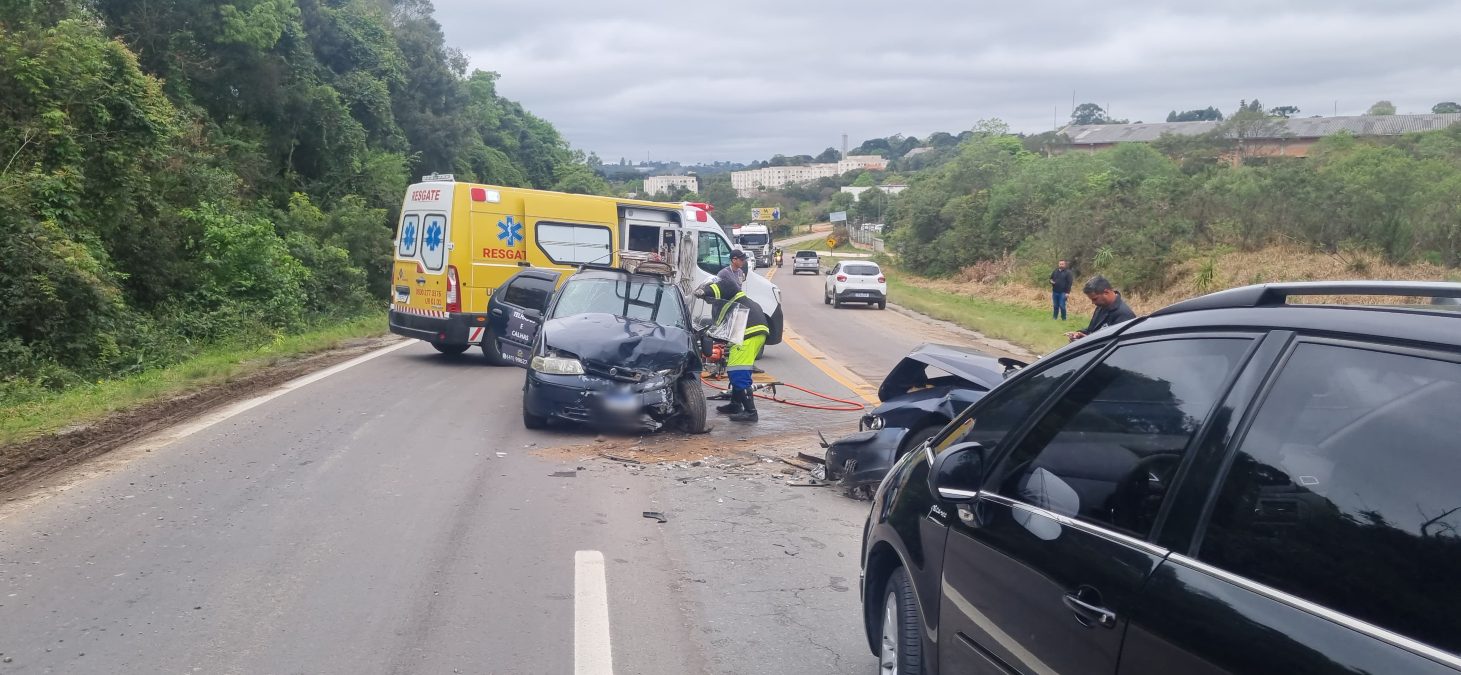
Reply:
x=888 y=660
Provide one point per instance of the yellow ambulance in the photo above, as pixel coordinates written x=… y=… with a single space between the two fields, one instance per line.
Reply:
x=457 y=243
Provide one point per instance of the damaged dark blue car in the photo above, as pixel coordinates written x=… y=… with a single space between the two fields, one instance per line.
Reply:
x=614 y=350
x=931 y=385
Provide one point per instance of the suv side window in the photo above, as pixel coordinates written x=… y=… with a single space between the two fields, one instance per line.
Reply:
x=1107 y=450
x=1008 y=405
x=714 y=254
x=1346 y=490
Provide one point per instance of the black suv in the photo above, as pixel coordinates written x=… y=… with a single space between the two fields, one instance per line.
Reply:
x=1236 y=484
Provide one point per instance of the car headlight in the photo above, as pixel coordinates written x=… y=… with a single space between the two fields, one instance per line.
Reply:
x=557 y=365
x=870 y=423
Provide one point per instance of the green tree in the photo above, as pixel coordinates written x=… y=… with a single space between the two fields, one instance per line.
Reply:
x=1284 y=111
x=1090 y=113
x=827 y=156
x=1208 y=114
x=1446 y=107
x=1381 y=108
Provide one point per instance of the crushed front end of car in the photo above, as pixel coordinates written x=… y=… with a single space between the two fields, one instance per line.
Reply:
x=609 y=372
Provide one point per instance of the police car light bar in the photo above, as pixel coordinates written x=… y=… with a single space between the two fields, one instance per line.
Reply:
x=439 y=178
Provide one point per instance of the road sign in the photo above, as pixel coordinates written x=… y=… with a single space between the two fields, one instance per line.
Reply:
x=766 y=213
x=838 y=217
x=831 y=242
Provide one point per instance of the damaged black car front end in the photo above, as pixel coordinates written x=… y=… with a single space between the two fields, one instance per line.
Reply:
x=615 y=352
x=609 y=371
x=929 y=387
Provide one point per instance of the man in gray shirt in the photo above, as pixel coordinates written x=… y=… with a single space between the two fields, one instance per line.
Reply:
x=732 y=278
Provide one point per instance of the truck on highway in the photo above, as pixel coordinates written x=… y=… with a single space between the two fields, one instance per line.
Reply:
x=755 y=240
x=456 y=244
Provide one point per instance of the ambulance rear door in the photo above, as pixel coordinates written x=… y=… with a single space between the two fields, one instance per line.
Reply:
x=423 y=236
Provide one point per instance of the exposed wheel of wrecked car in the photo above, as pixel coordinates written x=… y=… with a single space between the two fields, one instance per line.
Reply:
x=902 y=643
x=450 y=350
x=692 y=398
x=915 y=439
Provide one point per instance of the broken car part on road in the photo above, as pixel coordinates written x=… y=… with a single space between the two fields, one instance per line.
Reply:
x=929 y=387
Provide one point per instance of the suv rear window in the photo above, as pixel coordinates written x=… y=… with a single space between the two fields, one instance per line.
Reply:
x=806 y=254
x=861 y=270
x=1344 y=491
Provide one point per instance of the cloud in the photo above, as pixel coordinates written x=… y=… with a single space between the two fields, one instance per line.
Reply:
x=743 y=81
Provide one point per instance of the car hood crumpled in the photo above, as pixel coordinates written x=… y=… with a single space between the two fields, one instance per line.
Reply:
x=972 y=365
x=607 y=340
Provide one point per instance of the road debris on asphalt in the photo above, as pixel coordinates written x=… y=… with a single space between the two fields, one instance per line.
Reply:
x=657 y=516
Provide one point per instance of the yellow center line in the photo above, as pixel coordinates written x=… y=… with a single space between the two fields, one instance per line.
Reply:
x=830 y=366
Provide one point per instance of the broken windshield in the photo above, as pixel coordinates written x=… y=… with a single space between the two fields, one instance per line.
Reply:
x=626 y=297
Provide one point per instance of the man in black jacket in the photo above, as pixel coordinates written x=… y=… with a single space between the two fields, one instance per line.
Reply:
x=1111 y=309
x=1060 y=282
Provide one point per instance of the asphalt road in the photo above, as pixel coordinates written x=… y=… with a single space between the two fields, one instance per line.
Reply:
x=393 y=516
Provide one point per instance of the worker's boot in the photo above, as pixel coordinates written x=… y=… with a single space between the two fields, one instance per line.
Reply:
x=735 y=403
x=748 y=400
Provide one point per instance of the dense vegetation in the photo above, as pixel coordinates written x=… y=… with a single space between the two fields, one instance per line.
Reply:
x=1134 y=211
x=176 y=173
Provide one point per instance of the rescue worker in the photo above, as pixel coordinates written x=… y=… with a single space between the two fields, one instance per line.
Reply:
x=723 y=297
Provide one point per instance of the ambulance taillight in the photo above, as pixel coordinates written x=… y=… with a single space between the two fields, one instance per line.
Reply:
x=453 y=290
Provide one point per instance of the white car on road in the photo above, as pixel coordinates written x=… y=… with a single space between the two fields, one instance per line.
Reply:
x=856 y=281
x=806 y=261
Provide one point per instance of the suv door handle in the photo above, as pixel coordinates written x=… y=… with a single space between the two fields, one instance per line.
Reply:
x=497 y=311
x=1087 y=613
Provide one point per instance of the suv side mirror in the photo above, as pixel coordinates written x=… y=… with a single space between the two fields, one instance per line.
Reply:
x=958 y=471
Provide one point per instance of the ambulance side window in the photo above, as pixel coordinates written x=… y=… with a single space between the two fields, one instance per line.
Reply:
x=714 y=254
x=433 y=241
x=582 y=244
x=409 y=237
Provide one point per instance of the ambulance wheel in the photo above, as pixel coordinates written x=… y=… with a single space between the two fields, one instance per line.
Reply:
x=492 y=350
x=450 y=350
x=692 y=399
x=534 y=422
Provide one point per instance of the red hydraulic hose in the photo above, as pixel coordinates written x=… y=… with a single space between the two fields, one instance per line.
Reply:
x=848 y=406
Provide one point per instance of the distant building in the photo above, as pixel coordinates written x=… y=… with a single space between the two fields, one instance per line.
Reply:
x=890 y=188
x=749 y=182
x=1275 y=137
x=657 y=185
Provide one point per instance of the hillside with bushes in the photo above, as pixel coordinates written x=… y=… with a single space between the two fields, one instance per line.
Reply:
x=1167 y=217
x=180 y=173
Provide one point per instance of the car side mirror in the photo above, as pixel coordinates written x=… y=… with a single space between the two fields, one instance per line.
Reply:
x=958 y=471
x=829 y=273
x=534 y=314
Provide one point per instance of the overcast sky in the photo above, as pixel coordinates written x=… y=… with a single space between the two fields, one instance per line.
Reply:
x=701 y=81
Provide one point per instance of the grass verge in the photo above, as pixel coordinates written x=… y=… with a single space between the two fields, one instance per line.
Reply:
x=52 y=411
x=1030 y=328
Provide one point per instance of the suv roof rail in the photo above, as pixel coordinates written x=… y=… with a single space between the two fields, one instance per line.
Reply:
x=1270 y=295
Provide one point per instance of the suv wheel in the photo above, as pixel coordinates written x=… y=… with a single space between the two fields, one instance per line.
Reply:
x=901 y=650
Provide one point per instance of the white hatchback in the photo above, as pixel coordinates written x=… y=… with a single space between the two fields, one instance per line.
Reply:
x=856 y=281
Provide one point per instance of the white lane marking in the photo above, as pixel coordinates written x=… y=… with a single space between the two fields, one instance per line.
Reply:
x=106 y=463
x=182 y=431
x=592 y=654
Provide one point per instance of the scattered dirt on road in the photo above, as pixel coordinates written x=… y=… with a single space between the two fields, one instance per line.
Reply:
x=24 y=463
x=743 y=450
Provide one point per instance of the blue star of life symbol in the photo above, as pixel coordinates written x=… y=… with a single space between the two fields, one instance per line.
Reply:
x=409 y=236
x=512 y=231
x=433 y=236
